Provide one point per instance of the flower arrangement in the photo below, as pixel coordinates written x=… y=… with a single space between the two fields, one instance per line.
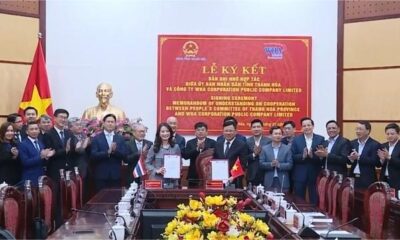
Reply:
x=92 y=127
x=215 y=218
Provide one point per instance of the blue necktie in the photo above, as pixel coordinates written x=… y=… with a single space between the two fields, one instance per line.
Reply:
x=62 y=136
x=37 y=146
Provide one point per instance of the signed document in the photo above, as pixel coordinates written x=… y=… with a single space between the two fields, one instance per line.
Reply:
x=219 y=169
x=172 y=164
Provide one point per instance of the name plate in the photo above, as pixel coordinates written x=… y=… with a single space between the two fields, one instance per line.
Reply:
x=214 y=184
x=298 y=220
x=153 y=184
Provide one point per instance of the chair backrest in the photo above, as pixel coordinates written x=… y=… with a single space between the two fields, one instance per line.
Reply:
x=376 y=205
x=335 y=194
x=329 y=188
x=203 y=166
x=79 y=188
x=30 y=208
x=70 y=195
x=322 y=181
x=346 y=199
x=12 y=211
x=65 y=209
x=47 y=201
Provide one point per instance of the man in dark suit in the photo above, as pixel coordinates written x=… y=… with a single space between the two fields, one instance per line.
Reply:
x=364 y=156
x=108 y=150
x=33 y=154
x=17 y=123
x=45 y=124
x=30 y=115
x=335 y=150
x=255 y=143
x=238 y=135
x=289 y=129
x=56 y=139
x=389 y=155
x=194 y=147
x=137 y=146
x=232 y=148
x=180 y=140
x=306 y=164
x=276 y=162
x=78 y=151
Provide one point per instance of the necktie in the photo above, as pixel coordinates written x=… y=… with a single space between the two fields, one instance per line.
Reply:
x=18 y=136
x=37 y=145
x=62 y=136
x=227 y=148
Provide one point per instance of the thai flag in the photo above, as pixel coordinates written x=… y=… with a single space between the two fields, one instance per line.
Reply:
x=140 y=168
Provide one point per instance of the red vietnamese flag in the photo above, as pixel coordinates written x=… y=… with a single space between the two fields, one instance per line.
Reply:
x=37 y=91
x=237 y=169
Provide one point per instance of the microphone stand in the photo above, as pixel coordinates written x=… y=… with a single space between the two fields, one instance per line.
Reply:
x=99 y=213
x=342 y=225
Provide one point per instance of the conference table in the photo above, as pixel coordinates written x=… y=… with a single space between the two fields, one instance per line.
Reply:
x=159 y=207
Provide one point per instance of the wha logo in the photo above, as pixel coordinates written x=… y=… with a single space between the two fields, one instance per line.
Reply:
x=274 y=51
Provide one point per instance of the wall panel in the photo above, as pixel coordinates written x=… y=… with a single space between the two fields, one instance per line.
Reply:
x=18 y=37
x=372 y=94
x=14 y=78
x=372 y=44
x=20 y=7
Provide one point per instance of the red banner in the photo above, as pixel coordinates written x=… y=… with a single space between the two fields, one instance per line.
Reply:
x=206 y=78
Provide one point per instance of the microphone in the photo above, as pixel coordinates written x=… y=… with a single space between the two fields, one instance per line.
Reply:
x=98 y=213
x=283 y=180
x=305 y=232
x=342 y=225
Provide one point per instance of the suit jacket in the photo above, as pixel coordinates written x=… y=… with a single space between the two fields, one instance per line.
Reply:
x=78 y=157
x=134 y=155
x=190 y=152
x=254 y=174
x=23 y=131
x=337 y=158
x=107 y=166
x=180 y=140
x=287 y=141
x=393 y=165
x=305 y=170
x=154 y=161
x=368 y=161
x=238 y=136
x=238 y=149
x=32 y=164
x=10 y=168
x=285 y=164
x=59 y=160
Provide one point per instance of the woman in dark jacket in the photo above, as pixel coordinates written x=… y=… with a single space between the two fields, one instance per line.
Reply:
x=10 y=164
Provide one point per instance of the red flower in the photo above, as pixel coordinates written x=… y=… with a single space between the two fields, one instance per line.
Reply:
x=270 y=236
x=221 y=214
x=240 y=205
x=223 y=226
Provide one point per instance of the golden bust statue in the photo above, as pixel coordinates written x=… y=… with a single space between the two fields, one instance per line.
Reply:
x=104 y=93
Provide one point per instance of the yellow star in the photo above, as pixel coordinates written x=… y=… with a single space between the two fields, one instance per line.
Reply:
x=235 y=167
x=41 y=104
